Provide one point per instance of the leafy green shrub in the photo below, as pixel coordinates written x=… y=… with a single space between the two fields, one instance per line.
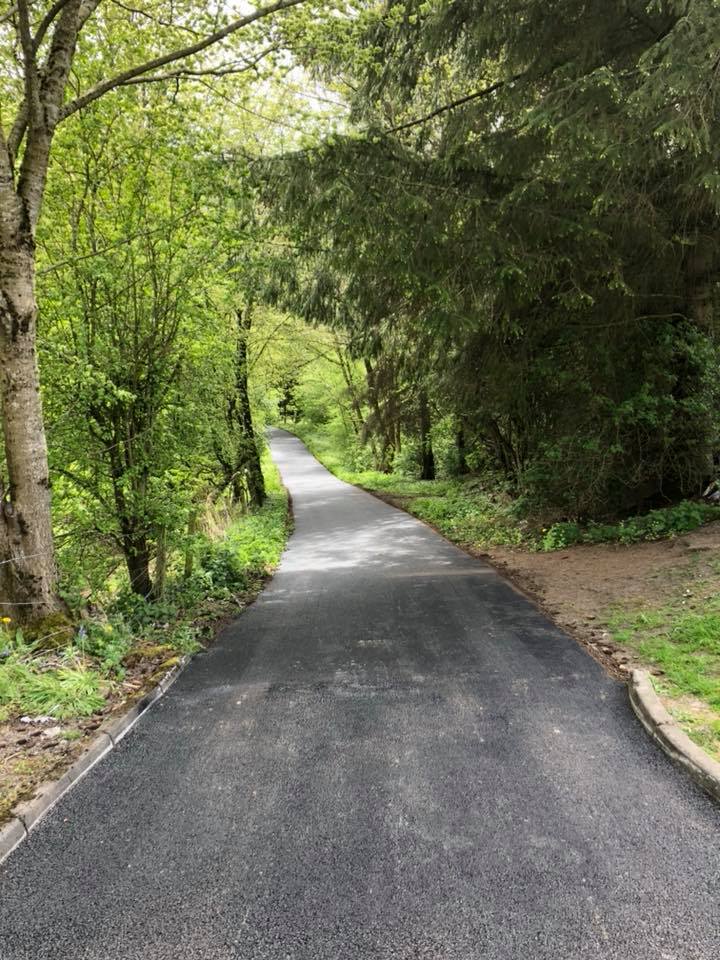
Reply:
x=561 y=535
x=108 y=642
x=139 y=613
x=222 y=568
x=655 y=525
x=184 y=639
x=470 y=518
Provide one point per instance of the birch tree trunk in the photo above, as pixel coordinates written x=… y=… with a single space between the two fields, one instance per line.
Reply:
x=28 y=577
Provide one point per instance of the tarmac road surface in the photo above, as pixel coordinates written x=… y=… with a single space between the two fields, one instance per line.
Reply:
x=391 y=754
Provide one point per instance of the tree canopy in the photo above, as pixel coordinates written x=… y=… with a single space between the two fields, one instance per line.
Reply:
x=480 y=235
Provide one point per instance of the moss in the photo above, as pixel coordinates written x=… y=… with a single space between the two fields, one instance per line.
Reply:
x=166 y=665
x=146 y=651
x=52 y=632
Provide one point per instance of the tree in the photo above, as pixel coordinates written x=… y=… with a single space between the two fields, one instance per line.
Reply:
x=48 y=42
x=528 y=202
x=132 y=341
x=241 y=467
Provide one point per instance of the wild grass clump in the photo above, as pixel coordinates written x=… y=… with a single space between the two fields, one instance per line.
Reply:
x=60 y=685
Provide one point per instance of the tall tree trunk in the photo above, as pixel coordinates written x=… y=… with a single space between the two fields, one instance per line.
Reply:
x=242 y=470
x=427 y=457
x=161 y=561
x=248 y=447
x=386 y=432
x=701 y=273
x=133 y=534
x=137 y=558
x=356 y=413
x=28 y=575
x=460 y=447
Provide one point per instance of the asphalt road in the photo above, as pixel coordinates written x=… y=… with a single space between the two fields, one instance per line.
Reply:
x=392 y=754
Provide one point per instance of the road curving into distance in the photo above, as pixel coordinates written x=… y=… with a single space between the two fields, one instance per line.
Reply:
x=391 y=755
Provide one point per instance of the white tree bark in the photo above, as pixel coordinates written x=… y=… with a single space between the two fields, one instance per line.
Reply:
x=27 y=571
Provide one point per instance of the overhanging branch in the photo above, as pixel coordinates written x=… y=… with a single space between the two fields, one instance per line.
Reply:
x=127 y=76
x=454 y=104
x=186 y=73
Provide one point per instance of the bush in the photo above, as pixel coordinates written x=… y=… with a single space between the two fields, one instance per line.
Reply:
x=108 y=642
x=655 y=525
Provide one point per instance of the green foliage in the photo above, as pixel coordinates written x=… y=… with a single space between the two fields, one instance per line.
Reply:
x=471 y=517
x=62 y=686
x=541 y=261
x=75 y=679
x=107 y=642
x=655 y=525
x=66 y=691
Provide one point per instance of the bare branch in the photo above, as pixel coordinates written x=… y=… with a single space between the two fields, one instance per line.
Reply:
x=124 y=78
x=186 y=73
x=37 y=121
x=126 y=241
x=454 y=104
x=17 y=132
x=32 y=86
x=9 y=15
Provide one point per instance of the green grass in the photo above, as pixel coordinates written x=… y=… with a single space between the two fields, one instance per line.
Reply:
x=685 y=644
x=28 y=685
x=258 y=539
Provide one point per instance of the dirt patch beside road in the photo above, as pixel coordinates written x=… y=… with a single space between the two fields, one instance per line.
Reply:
x=590 y=590
x=581 y=587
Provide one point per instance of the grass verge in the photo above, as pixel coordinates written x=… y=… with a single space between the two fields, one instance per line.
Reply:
x=682 y=641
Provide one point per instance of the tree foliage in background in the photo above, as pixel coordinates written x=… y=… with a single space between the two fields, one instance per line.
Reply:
x=528 y=215
x=505 y=243
x=58 y=60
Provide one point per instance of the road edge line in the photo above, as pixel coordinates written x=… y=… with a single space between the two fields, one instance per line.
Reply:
x=669 y=736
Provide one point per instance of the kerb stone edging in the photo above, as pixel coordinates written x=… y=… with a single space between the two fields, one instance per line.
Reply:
x=27 y=815
x=667 y=734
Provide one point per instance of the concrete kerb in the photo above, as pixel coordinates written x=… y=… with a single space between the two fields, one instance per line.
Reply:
x=27 y=815
x=667 y=734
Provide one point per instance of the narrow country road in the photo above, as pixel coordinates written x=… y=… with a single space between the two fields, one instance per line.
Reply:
x=391 y=755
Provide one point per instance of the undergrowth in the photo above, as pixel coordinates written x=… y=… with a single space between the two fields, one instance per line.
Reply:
x=655 y=525
x=72 y=670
